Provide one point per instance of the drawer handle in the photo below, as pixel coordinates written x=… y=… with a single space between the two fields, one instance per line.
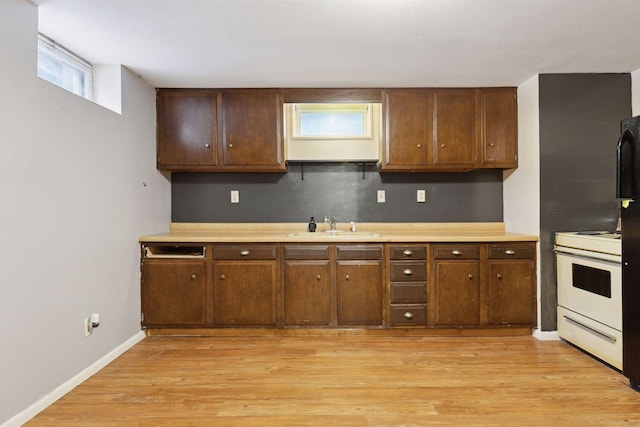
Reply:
x=408 y=271
x=407 y=252
x=244 y=253
x=318 y=277
x=595 y=331
x=456 y=252
x=222 y=277
x=194 y=276
x=408 y=315
x=510 y=252
x=499 y=276
x=470 y=275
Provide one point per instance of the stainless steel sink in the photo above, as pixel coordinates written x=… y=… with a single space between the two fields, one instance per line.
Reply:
x=336 y=234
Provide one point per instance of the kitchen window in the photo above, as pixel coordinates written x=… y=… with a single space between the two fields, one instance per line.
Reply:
x=63 y=68
x=332 y=132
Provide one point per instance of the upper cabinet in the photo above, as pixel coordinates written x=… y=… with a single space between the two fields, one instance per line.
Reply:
x=220 y=130
x=423 y=129
x=499 y=128
x=449 y=129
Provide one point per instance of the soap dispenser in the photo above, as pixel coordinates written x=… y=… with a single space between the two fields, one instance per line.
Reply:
x=312 y=226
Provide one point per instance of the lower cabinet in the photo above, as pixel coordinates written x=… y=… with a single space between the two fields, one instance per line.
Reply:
x=245 y=284
x=173 y=286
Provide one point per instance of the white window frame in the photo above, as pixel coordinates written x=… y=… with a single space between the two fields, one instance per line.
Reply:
x=70 y=59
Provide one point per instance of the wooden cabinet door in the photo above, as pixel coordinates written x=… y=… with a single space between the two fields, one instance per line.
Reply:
x=510 y=293
x=173 y=293
x=499 y=124
x=359 y=292
x=307 y=292
x=456 y=299
x=186 y=124
x=407 y=121
x=454 y=128
x=251 y=130
x=244 y=293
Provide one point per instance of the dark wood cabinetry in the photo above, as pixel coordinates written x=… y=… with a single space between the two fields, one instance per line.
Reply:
x=478 y=285
x=407 y=285
x=307 y=285
x=245 y=284
x=499 y=128
x=217 y=130
x=449 y=129
x=455 y=290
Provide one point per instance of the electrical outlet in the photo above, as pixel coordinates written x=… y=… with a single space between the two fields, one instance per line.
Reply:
x=88 y=327
x=421 y=196
x=381 y=196
x=235 y=196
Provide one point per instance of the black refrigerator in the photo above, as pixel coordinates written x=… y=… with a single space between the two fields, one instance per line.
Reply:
x=628 y=184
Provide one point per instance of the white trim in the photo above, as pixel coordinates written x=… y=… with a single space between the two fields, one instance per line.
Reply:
x=546 y=335
x=66 y=387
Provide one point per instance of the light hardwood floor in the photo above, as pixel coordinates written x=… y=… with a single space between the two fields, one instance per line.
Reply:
x=349 y=381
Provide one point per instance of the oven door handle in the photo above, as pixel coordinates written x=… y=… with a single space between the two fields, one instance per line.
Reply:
x=615 y=260
x=602 y=334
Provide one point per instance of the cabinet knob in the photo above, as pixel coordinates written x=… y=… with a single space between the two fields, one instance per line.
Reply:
x=407 y=252
x=207 y=145
x=346 y=277
x=318 y=277
x=194 y=276
x=244 y=253
x=230 y=145
x=492 y=145
x=408 y=271
x=419 y=145
x=510 y=252
x=499 y=276
x=470 y=275
x=222 y=277
x=408 y=315
x=456 y=252
x=441 y=145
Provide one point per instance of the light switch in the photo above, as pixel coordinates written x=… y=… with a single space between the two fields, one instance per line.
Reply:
x=235 y=196
x=420 y=196
x=381 y=196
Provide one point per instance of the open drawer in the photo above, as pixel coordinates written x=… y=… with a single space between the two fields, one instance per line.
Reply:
x=173 y=251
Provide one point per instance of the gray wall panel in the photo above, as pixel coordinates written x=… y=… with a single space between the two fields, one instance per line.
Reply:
x=336 y=189
x=580 y=118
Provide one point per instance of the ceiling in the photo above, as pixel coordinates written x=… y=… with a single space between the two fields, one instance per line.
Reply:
x=348 y=43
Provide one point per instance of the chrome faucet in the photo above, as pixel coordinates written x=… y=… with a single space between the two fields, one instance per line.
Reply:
x=332 y=222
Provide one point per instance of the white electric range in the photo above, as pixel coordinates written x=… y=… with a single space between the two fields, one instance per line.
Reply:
x=589 y=279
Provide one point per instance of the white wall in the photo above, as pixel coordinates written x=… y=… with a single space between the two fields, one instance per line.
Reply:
x=78 y=184
x=521 y=187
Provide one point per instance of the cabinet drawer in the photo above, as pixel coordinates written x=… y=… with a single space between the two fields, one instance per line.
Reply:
x=245 y=252
x=408 y=315
x=408 y=252
x=456 y=251
x=408 y=292
x=306 y=252
x=511 y=250
x=359 y=252
x=408 y=271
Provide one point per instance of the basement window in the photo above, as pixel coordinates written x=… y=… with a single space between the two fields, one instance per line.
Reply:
x=63 y=68
x=332 y=132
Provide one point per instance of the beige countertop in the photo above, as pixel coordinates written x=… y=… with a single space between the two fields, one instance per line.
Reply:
x=366 y=232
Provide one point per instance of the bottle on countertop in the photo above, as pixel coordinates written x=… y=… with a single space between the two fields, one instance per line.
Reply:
x=312 y=226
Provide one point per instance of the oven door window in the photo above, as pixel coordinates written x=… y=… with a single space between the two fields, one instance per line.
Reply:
x=592 y=280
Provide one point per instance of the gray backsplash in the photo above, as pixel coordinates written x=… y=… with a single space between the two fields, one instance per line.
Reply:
x=338 y=189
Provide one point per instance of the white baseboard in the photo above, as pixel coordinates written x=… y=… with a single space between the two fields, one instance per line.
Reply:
x=546 y=335
x=66 y=387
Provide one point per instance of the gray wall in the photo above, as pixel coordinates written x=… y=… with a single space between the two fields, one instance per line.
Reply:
x=340 y=190
x=579 y=127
